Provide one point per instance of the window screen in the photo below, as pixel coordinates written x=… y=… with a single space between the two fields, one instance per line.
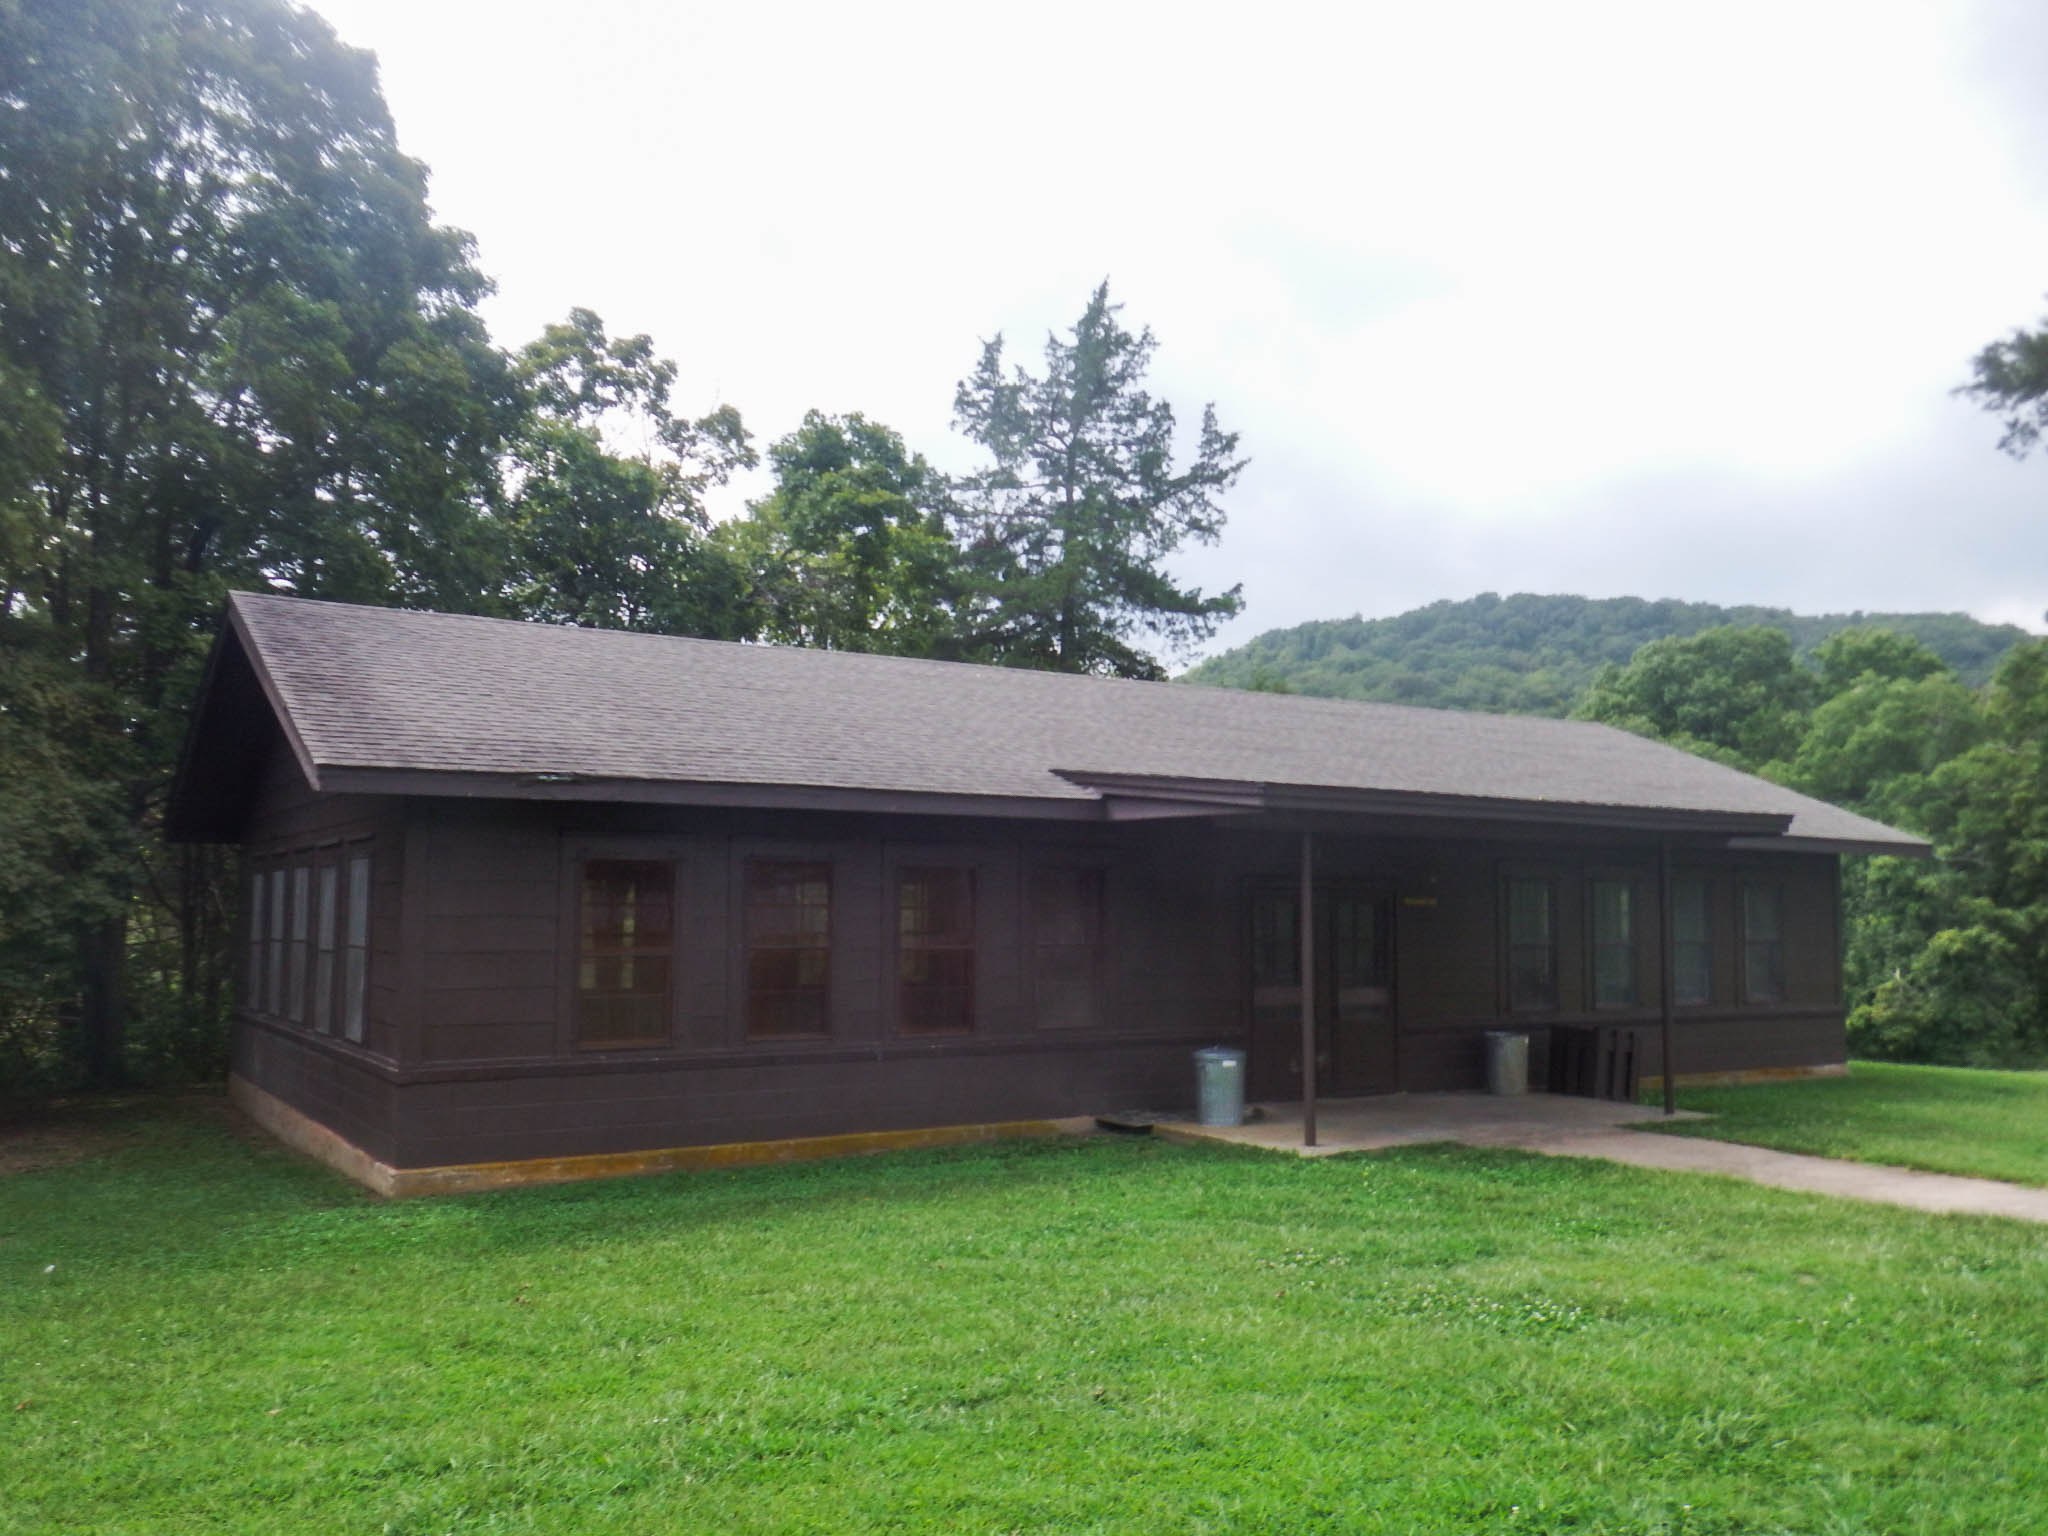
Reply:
x=626 y=936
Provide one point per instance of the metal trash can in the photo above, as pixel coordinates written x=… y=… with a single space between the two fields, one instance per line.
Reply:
x=1507 y=1061
x=1219 y=1085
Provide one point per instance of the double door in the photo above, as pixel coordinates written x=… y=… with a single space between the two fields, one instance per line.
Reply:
x=1356 y=1043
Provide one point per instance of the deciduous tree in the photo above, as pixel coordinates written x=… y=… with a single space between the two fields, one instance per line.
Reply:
x=234 y=349
x=607 y=519
x=851 y=551
x=1733 y=692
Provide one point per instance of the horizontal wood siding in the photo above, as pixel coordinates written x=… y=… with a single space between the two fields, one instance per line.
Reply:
x=320 y=1081
x=491 y=936
x=476 y=913
x=497 y=935
x=497 y=1120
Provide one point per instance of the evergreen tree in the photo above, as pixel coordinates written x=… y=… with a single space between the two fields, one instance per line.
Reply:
x=1067 y=528
x=2011 y=378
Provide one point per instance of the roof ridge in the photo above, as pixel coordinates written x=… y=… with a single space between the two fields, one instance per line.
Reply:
x=878 y=658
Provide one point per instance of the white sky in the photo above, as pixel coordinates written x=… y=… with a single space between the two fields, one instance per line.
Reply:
x=1565 y=297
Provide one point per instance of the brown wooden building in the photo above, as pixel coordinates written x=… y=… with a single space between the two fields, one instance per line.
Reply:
x=524 y=893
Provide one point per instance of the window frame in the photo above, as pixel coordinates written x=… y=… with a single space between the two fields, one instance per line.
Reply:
x=963 y=942
x=1094 y=949
x=1773 y=945
x=1680 y=944
x=252 y=995
x=324 y=927
x=297 y=949
x=1551 y=886
x=583 y=957
x=357 y=895
x=273 y=963
x=751 y=997
x=1629 y=944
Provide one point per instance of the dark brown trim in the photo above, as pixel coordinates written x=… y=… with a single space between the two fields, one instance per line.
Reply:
x=1307 y=925
x=775 y=797
x=912 y=1047
x=285 y=723
x=1667 y=983
x=1646 y=1019
x=410 y=1025
x=327 y=1045
x=1246 y=795
x=1905 y=848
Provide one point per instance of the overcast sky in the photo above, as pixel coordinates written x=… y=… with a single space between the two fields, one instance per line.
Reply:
x=1632 y=298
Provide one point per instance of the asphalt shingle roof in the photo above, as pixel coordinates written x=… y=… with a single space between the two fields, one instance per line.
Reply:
x=442 y=693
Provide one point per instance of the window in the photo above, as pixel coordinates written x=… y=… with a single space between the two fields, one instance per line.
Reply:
x=323 y=952
x=1276 y=939
x=273 y=991
x=252 y=996
x=789 y=950
x=1763 y=947
x=355 y=970
x=935 y=951
x=1532 y=944
x=1358 y=941
x=623 y=954
x=1614 y=944
x=1066 y=946
x=295 y=999
x=1692 y=943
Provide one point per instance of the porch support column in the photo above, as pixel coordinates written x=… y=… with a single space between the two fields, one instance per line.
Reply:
x=1308 y=990
x=1667 y=983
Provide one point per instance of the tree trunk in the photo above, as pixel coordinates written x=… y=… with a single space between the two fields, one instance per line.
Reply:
x=103 y=1018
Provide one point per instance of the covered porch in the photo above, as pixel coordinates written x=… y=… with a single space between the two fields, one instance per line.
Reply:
x=1530 y=1121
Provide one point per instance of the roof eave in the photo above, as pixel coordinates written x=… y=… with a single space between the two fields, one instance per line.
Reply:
x=567 y=788
x=301 y=752
x=1412 y=804
x=1904 y=848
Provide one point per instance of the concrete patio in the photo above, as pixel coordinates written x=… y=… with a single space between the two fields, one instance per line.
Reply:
x=1406 y=1119
x=1557 y=1126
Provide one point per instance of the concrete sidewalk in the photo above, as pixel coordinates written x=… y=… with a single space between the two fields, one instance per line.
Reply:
x=1557 y=1126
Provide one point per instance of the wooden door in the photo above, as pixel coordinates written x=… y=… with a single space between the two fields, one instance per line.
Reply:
x=1356 y=1046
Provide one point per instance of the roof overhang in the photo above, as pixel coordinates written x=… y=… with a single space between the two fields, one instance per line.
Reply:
x=236 y=716
x=1903 y=849
x=240 y=715
x=1209 y=796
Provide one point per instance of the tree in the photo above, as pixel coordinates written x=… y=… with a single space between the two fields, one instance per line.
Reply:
x=1067 y=527
x=1856 y=743
x=851 y=551
x=234 y=350
x=2011 y=377
x=1852 y=656
x=1733 y=692
x=611 y=538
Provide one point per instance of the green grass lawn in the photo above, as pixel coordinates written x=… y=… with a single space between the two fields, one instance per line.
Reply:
x=1115 y=1335
x=1949 y=1119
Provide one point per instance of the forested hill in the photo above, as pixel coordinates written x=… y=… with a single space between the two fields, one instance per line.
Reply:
x=1534 y=655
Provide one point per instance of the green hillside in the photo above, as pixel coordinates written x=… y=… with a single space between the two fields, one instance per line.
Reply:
x=1528 y=654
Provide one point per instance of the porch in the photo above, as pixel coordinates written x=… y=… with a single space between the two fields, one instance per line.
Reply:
x=1531 y=1121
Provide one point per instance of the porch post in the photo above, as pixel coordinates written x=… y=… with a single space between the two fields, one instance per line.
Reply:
x=1667 y=983
x=1308 y=990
